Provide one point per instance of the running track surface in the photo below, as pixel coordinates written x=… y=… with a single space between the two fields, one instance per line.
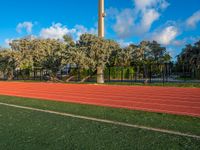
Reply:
x=181 y=101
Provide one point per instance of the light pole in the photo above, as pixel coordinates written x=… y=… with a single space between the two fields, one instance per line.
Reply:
x=101 y=19
x=100 y=70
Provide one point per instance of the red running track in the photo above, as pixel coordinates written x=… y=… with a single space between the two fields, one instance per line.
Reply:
x=181 y=101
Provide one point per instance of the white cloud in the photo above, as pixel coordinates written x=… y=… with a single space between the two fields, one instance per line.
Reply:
x=57 y=31
x=137 y=20
x=186 y=40
x=178 y=43
x=193 y=20
x=146 y=4
x=148 y=18
x=164 y=4
x=125 y=22
x=165 y=36
x=27 y=26
x=7 y=42
x=143 y=4
x=80 y=29
x=123 y=43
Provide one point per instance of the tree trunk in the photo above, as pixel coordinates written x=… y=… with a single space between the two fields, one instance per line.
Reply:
x=70 y=78
x=85 y=79
x=145 y=74
x=138 y=72
x=145 y=71
x=100 y=75
x=10 y=75
x=54 y=78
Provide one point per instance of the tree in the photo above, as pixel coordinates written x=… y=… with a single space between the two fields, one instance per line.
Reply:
x=23 y=46
x=40 y=53
x=189 y=58
x=126 y=55
x=9 y=61
x=75 y=54
x=195 y=56
x=157 y=53
x=98 y=51
x=90 y=53
x=141 y=55
x=53 y=57
x=148 y=53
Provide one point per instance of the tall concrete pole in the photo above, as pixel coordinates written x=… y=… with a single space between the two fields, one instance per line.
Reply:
x=100 y=69
x=101 y=19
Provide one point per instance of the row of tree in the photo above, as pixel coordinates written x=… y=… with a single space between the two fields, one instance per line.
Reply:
x=89 y=52
x=189 y=60
x=190 y=55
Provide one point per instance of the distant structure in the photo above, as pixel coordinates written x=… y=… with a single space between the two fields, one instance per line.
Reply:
x=101 y=19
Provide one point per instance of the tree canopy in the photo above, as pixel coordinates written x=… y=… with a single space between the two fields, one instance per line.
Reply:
x=190 y=55
x=89 y=52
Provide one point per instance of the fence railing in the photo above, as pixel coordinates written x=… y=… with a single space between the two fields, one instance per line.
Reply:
x=156 y=73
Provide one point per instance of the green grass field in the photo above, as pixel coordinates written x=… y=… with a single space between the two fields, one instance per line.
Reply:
x=22 y=129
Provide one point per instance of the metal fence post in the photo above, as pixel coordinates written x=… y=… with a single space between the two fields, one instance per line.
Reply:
x=150 y=72
x=163 y=74
x=109 y=74
x=122 y=74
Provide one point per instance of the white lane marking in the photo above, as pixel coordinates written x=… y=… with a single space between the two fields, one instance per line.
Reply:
x=104 y=121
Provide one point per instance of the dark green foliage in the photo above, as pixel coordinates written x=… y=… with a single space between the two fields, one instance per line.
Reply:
x=189 y=60
x=9 y=61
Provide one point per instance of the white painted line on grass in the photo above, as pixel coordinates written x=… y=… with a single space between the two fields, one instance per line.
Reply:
x=104 y=121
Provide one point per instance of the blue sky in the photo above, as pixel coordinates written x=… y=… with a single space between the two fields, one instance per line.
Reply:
x=173 y=23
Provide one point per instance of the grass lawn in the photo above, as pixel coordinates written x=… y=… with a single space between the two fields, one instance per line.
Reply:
x=26 y=129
